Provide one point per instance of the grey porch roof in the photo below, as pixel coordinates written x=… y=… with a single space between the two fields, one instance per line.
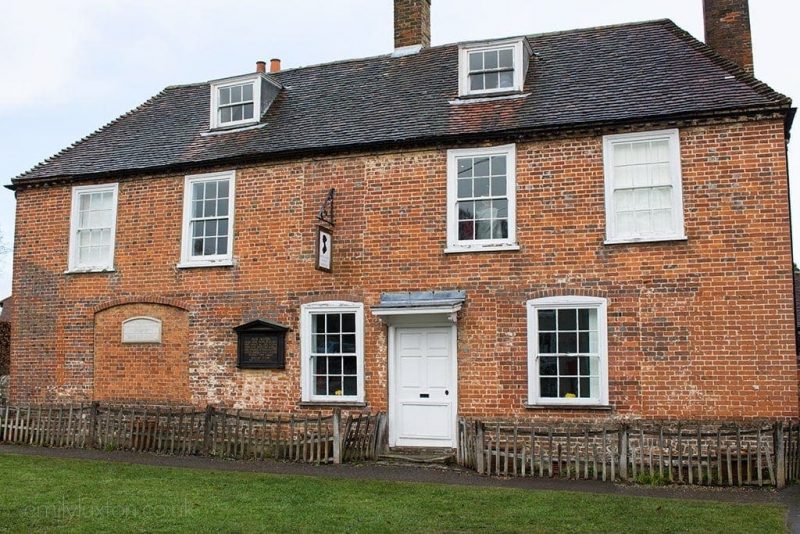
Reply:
x=612 y=74
x=420 y=299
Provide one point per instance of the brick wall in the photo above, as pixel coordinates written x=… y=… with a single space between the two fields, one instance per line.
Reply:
x=702 y=328
x=5 y=347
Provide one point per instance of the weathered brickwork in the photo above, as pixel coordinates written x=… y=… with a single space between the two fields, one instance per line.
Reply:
x=702 y=328
x=412 y=23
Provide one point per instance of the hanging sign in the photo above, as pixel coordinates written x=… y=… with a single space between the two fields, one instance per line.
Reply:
x=324 y=254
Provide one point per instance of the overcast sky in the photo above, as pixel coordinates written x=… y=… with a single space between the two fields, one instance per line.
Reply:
x=67 y=68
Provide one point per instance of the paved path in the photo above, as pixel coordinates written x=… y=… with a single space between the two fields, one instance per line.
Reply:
x=433 y=474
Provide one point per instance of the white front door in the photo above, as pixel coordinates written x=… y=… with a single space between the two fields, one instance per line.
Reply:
x=423 y=388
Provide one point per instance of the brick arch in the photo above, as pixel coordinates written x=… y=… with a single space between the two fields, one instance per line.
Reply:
x=119 y=301
x=567 y=292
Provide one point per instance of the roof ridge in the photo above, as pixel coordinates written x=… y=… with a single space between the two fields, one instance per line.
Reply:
x=92 y=134
x=733 y=68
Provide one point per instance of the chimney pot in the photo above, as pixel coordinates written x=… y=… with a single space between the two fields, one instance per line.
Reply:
x=274 y=65
x=412 y=23
x=727 y=30
x=261 y=66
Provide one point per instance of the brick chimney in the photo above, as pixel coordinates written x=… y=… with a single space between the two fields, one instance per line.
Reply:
x=274 y=65
x=261 y=66
x=412 y=23
x=727 y=29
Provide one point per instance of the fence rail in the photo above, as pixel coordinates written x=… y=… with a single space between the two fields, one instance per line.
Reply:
x=187 y=431
x=724 y=454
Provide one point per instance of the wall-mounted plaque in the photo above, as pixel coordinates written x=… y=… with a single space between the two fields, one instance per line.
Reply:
x=261 y=345
x=141 y=330
x=324 y=253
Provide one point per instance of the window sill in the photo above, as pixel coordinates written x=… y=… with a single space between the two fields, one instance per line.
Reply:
x=198 y=264
x=633 y=241
x=220 y=130
x=339 y=404
x=591 y=407
x=90 y=271
x=481 y=248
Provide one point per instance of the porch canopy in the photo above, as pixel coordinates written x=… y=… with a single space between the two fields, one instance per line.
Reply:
x=444 y=303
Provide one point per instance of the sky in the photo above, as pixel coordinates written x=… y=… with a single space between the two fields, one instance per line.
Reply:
x=68 y=68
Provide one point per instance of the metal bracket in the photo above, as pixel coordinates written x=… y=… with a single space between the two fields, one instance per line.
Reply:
x=326 y=211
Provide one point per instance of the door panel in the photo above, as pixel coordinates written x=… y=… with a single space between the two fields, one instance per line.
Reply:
x=424 y=394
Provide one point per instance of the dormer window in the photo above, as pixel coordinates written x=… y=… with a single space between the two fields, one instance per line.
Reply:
x=495 y=67
x=235 y=103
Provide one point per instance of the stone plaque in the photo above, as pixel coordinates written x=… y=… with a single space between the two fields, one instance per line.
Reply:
x=141 y=330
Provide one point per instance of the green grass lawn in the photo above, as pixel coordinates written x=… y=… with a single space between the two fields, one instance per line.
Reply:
x=45 y=494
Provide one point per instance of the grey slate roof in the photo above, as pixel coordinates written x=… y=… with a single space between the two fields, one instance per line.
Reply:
x=624 y=73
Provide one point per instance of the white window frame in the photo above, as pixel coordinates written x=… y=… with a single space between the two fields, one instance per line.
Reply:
x=73 y=258
x=454 y=245
x=609 y=141
x=216 y=86
x=217 y=260
x=306 y=370
x=571 y=301
x=519 y=65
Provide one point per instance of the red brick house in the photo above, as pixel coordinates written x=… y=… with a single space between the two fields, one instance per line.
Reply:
x=592 y=223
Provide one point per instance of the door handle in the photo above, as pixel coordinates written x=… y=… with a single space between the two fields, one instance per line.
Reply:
x=447 y=392
x=424 y=395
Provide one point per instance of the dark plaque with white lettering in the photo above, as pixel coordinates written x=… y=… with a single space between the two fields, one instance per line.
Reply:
x=262 y=345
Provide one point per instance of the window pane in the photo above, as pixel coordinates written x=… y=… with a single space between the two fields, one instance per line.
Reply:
x=567 y=342
x=506 y=59
x=483 y=209
x=481 y=186
x=490 y=59
x=498 y=165
x=585 y=390
x=247 y=111
x=567 y=365
x=548 y=366
x=335 y=385
x=465 y=167
x=499 y=229
x=547 y=319
x=225 y=115
x=319 y=344
x=332 y=323
x=348 y=322
x=236 y=93
x=583 y=342
x=481 y=166
x=349 y=343
x=350 y=385
x=209 y=246
x=466 y=230
x=225 y=96
x=583 y=319
x=466 y=210
x=197 y=247
x=222 y=245
x=318 y=323
x=568 y=387
x=321 y=366
x=349 y=365
x=222 y=227
x=476 y=82
x=500 y=208
x=247 y=92
x=483 y=230
x=335 y=365
x=548 y=387
x=583 y=365
x=223 y=188
x=491 y=80
x=209 y=208
x=464 y=188
x=321 y=385
x=567 y=320
x=506 y=79
x=236 y=113
x=475 y=61
x=547 y=343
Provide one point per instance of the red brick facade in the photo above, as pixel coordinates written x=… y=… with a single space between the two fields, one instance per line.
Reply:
x=702 y=328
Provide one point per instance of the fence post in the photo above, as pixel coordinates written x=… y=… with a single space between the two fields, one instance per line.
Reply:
x=480 y=447
x=623 y=452
x=780 y=457
x=94 y=410
x=337 y=438
x=207 y=437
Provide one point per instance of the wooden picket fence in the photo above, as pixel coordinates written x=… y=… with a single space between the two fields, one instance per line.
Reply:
x=214 y=431
x=723 y=454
